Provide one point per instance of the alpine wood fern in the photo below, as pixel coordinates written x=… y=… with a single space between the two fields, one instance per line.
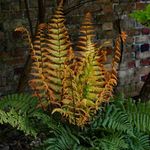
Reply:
x=74 y=85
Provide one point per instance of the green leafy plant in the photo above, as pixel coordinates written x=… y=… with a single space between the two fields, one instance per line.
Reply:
x=18 y=113
x=121 y=124
x=115 y=127
x=142 y=16
x=21 y=112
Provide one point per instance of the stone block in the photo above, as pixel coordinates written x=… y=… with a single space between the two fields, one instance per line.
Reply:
x=18 y=71
x=137 y=63
x=108 y=9
x=122 y=74
x=16 y=61
x=133 y=32
x=18 y=52
x=144 y=55
x=107 y=26
x=2 y=36
x=145 y=47
x=138 y=87
x=133 y=55
x=105 y=18
x=136 y=48
x=142 y=71
x=141 y=39
x=3 y=81
x=108 y=34
x=130 y=40
x=103 y=1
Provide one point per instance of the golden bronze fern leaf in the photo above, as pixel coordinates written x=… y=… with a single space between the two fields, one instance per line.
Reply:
x=94 y=74
x=26 y=34
x=80 y=91
x=58 y=51
x=37 y=53
x=74 y=107
x=86 y=30
x=39 y=82
x=112 y=80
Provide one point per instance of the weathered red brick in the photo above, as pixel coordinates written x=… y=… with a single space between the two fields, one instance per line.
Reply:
x=145 y=62
x=131 y=64
x=140 y=6
x=145 y=31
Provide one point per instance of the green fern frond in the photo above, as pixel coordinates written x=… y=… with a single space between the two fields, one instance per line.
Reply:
x=63 y=139
x=21 y=112
x=139 y=142
x=139 y=115
x=17 y=120
x=79 y=147
x=17 y=110
x=115 y=119
x=124 y=115
x=24 y=103
x=113 y=142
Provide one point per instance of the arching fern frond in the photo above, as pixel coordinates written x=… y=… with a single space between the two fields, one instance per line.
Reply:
x=21 y=112
x=26 y=34
x=139 y=142
x=39 y=84
x=139 y=115
x=24 y=103
x=63 y=139
x=16 y=110
x=17 y=120
x=115 y=119
x=112 y=77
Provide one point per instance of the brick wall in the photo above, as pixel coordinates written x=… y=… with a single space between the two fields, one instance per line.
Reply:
x=136 y=56
x=13 y=48
x=136 y=64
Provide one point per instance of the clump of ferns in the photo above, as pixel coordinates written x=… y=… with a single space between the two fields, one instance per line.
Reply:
x=74 y=85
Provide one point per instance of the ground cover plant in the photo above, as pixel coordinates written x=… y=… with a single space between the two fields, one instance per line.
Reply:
x=122 y=124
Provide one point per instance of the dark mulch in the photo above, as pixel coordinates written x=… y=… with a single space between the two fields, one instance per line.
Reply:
x=11 y=139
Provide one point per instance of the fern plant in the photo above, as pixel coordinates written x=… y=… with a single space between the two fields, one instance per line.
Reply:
x=72 y=85
x=113 y=128
x=17 y=110
x=122 y=124
x=21 y=112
